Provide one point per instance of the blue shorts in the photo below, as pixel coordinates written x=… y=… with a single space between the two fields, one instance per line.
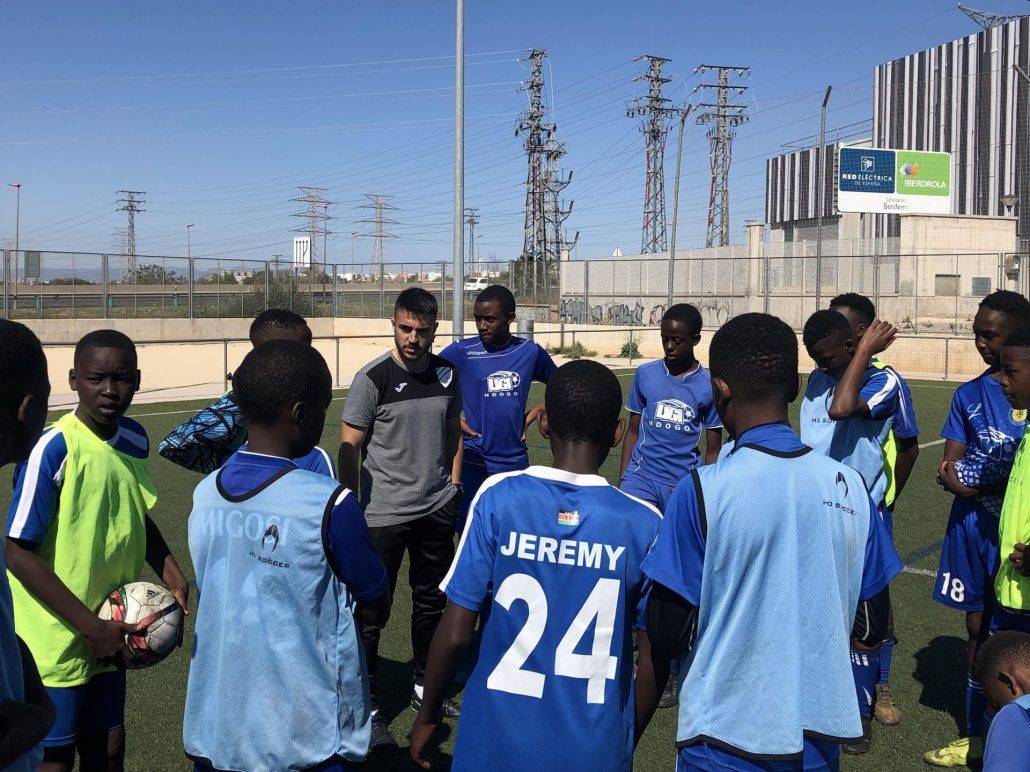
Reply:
x=472 y=478
x=819 y=756
x=969 y=557
x=653 y=492
x=95 y=706
x=1003 y=619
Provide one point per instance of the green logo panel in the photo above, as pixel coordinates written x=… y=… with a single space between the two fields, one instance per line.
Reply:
x=923 y=174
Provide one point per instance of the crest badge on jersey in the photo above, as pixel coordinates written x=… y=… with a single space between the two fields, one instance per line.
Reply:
x=1018 y=415
x=568 y=517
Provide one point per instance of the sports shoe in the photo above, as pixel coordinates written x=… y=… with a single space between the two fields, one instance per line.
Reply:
x=449 y=709
x=963 y=752
x=671 y=694
x=861 y=746
x=382 y=740
x=886 y=711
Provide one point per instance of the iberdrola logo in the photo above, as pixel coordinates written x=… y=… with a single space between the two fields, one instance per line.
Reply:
x=923 y=174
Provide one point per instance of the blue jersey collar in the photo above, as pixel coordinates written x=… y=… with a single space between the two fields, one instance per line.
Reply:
x=779 y=436
x=260 y=459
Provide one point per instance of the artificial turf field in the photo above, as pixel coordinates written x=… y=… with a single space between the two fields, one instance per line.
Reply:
x=927 y=678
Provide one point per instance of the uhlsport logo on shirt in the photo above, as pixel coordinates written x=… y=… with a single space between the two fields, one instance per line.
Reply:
x=503 y=383
x=672 y=414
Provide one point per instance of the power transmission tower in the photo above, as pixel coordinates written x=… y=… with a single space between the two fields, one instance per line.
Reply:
x=722 y=118
x=316 y=214
x=986 y=19
x=531 y=124
x=131 y=203
x=472 y=220
x=655 y=110
x=380 y=205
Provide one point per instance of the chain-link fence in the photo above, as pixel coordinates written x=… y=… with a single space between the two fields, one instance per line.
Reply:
x=922 y=294
x=69 y=285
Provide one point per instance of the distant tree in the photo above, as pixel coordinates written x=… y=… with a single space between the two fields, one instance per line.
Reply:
x=61 y=280
x=156 y=274
x=218 y=278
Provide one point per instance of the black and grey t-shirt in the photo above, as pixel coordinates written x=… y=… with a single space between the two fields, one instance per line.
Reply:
x=404 y=469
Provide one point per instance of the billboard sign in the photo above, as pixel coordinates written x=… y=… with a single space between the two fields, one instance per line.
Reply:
x=893 y=181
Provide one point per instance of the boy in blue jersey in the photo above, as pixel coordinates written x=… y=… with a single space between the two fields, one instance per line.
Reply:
x=78 y=527
x=670 y=403
x=554 y=554
x=758 y=569
x=277 y=677
x=497 y=371
x=900 y=453
x=205 y=441
x=26 y=712
x=1003 y=667
x=847 y=414
x=981 y=434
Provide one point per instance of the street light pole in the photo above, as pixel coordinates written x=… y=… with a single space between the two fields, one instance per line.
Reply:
x=458 y=233
x=820 y=202
x=684 y=113
x=189 y=251
x=17 y=228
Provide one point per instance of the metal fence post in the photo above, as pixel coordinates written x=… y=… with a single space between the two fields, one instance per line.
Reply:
x=267 y=267
x=915 y=293
x=336 y=278
x=105 y=277
x=586 y=293
x=631 y=348
x=225 y=365
x=7 y=284
x=337 y=341
x=190 y=275
x=382 y=289
x=765 y=280
x=443 y=290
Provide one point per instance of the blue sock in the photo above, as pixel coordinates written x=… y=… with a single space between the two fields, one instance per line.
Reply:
x=886 y=656
x=865 y=666
x=975 y=707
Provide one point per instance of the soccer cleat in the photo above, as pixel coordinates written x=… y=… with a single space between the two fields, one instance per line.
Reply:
x=449 y=709
x=671 y=694
x=861 y=746
x=382 y=740
x=886 y=711
x=963 y=752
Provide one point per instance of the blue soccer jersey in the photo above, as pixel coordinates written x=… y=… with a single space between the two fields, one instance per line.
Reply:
x=1008 y=740
x=982 y=419
x=555 y=559
x=673 y=410
x=857 y=442
x=495 y=383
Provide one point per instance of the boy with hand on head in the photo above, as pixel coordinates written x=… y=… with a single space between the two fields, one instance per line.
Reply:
x=563 y=546
x=847 y=413
x=78 y=528
x=1003 y=667
x=670 y=403
x=497 y=371
x=900 y=452
x=205 y=441
x=277 y=655
x=758 y=569
x=982 y=433
x=26 y=712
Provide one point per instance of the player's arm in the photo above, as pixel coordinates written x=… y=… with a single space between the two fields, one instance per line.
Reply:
x=532 y=416
x=628 y=441
x=23 y=725
x=713 y=444
x=652 y=674
x=352 y=439
x=160 y=558
x=848 y=401
x=908 y=452
x=204 y=441
x=450 y=643
x=105 y=638
x=947 y=476
x=353 y=559
x=454 y=450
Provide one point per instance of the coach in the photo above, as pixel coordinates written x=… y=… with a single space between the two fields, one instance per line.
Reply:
x=400 y=433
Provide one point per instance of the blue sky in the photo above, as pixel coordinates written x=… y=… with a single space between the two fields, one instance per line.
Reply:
x=220 y=110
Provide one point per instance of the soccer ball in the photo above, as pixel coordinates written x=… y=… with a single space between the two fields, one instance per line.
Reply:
x=157 y=609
